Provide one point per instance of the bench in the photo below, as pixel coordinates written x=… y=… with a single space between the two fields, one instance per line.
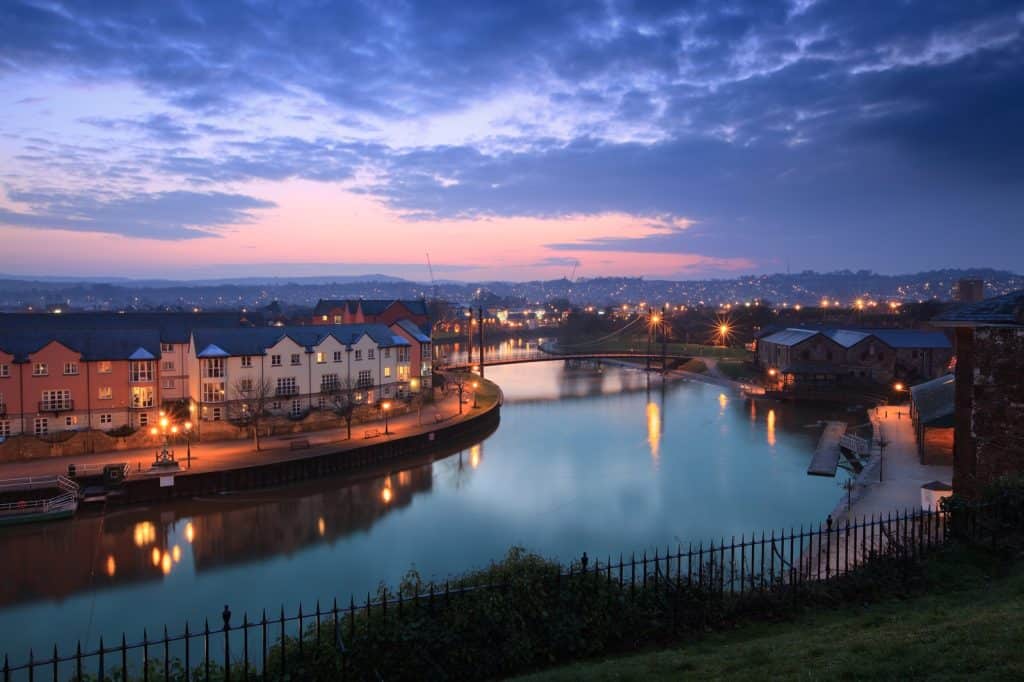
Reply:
x=371 y=433
x=300 y=444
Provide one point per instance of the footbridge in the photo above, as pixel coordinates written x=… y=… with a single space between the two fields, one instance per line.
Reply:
x=515 y=358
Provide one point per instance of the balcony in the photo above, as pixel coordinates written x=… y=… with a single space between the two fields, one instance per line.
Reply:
x=284 y=391
x=56 y=406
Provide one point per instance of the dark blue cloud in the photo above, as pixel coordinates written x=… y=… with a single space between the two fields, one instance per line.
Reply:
x=162 y=215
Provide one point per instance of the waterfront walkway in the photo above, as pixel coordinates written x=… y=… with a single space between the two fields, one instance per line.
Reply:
x=232 y=454
x=899 y=468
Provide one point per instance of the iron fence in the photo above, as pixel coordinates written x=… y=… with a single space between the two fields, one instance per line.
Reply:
x=782 y=564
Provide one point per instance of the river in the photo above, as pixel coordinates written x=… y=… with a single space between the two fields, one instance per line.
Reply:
x=602 y=461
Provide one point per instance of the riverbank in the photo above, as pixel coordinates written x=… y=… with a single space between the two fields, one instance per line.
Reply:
x=211 y=468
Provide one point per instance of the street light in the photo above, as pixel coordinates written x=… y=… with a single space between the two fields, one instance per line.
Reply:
x=188 y=444
x=476 y=384
x=165 y=455
x=385 y=407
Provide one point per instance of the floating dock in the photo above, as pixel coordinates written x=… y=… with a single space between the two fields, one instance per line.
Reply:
x=826 y=455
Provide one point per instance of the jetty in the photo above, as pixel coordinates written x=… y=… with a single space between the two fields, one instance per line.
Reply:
x=826 y=455
x=37 y=498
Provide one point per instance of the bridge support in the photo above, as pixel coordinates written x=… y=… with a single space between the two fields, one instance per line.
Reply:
x=480 y=318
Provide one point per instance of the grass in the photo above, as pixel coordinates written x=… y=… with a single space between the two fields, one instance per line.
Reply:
x=738 y=370
x=968 y=626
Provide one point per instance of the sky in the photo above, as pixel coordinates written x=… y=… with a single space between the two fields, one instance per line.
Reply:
x=513 y=140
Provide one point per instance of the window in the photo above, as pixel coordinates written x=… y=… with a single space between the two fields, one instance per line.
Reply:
x=337 y=356
x=323 y=318
x=296 y=408
x=359 y=355
x=387 y=353
x=245 y=385
x=287 y=386
x=5 y=428
x=41 y=426
x=5 y=370
x=365 y=379
x=275 y=360
x=143 y=419
x=403 y=372
x=296 y=359
x=168 y=384
x=214 y=368
x=141 y=370
x=329 y=382
x=387 y=372
x=105 y=393
x=337 y=319
x=246 y=361
x=104 y=367
x=321 y=357
x=213 y=391
x=167 y=366
x=39 y=369
x=71 y=421
x=371 y=354
x=403 y=355
x=55 y=400
x=107 y=419
x=216 y=414
x=71 y=368
x=276 y=405
x=166 y=348
x=142 y=396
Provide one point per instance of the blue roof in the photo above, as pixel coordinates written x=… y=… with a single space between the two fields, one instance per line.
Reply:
x=173 y=327
x=911 y=338
x=409 y=327
x=102 y=344
x=255 y=341
x=1005 y=310
x=789 y=337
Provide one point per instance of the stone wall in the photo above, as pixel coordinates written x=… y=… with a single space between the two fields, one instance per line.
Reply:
x=997 y=414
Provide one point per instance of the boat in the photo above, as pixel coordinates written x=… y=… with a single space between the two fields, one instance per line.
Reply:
x=41 y=499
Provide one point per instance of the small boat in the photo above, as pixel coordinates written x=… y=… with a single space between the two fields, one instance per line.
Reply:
x=61 y=504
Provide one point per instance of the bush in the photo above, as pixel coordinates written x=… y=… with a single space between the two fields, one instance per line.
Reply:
x=121 y=431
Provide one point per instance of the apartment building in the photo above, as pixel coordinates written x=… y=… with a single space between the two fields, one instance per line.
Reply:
x=75 y=379
x=291 y=370
x=421 y=364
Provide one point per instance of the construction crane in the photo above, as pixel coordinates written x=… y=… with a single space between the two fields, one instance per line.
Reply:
x=433 y=284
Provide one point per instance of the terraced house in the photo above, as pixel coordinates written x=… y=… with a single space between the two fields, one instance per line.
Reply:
x=75 y=379
x=292 y=370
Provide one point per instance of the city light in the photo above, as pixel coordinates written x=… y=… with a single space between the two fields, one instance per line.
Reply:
x=898 y=386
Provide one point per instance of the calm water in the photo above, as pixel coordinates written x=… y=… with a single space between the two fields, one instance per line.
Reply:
x=583 y=460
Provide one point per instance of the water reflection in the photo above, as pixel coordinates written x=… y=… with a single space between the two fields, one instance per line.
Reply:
x=654 y=428
x=770 y=428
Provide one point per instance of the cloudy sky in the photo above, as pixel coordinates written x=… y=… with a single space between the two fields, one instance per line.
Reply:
x=510 y=140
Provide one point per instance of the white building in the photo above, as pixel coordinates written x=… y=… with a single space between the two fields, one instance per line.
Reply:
x=292 y=370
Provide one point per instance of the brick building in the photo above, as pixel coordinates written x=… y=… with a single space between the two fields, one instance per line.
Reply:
x=989 y=412
x=370 y=311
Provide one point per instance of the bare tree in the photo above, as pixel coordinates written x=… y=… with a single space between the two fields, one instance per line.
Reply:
x=459 y=381
x=343 y=400
x=248 y=407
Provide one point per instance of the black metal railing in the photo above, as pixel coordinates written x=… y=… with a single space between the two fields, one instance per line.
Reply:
x=63 y=405
x=782 y=564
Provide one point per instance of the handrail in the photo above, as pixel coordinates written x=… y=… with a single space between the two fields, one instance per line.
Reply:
x=28 y=483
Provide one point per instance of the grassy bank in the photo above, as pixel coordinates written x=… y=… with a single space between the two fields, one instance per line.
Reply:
x=968 y=625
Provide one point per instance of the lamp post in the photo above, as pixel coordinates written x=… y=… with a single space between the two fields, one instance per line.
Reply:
x=165 y=455
x=476 y=385
x=188 y=444
x=385 y=408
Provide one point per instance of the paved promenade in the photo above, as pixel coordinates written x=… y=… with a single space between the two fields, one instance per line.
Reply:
x=231 y=454
x=900 y=467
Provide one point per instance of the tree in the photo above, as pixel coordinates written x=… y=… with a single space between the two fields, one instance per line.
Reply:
x=343 y=403
x=248 y=407
x=459 y=381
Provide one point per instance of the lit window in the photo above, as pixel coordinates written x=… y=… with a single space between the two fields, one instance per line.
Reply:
x=387 y=372
x=71 y=421
x=105 y=393
x=337 y=319
x=103 y=367
x=321 y=357
x=213 y=391
x=39 y=369
x=142 y=396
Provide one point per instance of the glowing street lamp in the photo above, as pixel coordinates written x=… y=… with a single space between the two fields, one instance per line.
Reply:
x=385 y=408
x=476 y=385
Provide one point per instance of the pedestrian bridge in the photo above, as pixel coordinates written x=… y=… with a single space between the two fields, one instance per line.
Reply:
x=515 y=358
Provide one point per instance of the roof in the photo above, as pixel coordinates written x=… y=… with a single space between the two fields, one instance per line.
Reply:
x=370 y=306
x=789 y=337
x=103 y=344
x=255 y=341
x=847 y=338
x=173 y=327
x=1000 y=311
x=911 y=338
x=410 y=328
x=935 y=401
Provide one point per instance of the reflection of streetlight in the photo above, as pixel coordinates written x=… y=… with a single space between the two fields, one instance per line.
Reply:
x=386 y=493
x=385 y=407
